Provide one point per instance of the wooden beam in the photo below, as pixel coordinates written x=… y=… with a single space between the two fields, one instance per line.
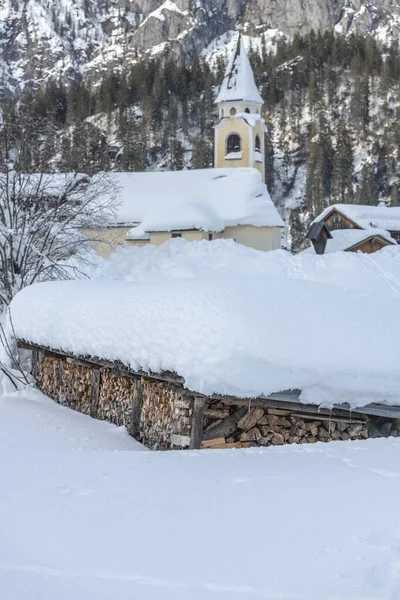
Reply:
x=95 y=393
x=35 y=363
x=137 y=403
x=297 y=407
x=280 y=401
x=225 y=427
x=118 y=368
x=60 y=377
x=199 y=404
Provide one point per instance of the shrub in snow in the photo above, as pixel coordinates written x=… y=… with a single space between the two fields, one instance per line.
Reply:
x=40 y=218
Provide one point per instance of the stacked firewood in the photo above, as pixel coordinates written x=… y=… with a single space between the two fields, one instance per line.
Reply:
x=47 y=377
x=166 y=417
x=115 y=399
x=75 y=386
x=233 y=427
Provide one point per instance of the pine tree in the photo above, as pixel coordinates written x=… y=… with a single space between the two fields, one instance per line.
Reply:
x=343 y=166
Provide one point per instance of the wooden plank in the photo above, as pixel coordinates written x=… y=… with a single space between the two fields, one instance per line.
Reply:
x=277 y=412
x=199 y=404
x=225 y=427
x=222 y=445
x=268 y=403
x=217 y=413
x=95 y=393
x=212 y=443
x=319 y=417
x=137 y=402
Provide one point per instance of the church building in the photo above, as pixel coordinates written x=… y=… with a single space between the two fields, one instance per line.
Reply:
x=230 y=201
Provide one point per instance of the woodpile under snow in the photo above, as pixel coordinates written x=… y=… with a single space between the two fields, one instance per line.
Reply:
x=244 y=427
x=164 y=415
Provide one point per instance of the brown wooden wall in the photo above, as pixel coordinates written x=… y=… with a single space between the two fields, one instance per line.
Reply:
x=338 y=221
x=370 y=246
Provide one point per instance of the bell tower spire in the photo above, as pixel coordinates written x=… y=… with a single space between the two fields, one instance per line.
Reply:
x=239 y=134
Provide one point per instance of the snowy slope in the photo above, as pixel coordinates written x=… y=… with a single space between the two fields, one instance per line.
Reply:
x=315 y=523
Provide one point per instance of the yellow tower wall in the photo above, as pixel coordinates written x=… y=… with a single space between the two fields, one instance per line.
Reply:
x=248 y=135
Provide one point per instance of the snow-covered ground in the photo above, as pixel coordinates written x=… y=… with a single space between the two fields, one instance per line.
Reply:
x=83 y=517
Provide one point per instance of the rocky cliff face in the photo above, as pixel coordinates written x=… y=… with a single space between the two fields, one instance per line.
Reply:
x=41 y=39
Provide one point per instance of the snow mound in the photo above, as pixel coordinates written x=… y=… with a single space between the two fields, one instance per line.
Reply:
x=179 y=259
x=243 y=335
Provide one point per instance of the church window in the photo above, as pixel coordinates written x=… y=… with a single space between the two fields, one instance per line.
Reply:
x=258 y=143
x=233 y=143
x=176 y=235
x=233 y=111
x=247 y=110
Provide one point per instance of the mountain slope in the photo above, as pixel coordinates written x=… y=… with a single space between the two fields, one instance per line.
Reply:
x=42 y=39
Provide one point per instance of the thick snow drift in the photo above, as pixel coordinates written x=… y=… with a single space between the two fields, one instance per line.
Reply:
x=206 y=199
x=179 y=259
x=241 y=335
x=292 y=523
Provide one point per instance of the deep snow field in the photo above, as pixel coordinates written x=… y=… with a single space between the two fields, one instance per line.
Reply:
x=87 y=514
x=84 y=516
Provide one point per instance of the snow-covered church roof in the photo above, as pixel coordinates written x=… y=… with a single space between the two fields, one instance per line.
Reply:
x=204 y=199
x=383 y=217
x=238 y=84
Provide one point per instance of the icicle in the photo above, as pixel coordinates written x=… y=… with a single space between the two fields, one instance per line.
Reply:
x=330 y=421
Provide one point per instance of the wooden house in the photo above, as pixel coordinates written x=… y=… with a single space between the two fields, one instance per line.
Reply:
x=356 y=228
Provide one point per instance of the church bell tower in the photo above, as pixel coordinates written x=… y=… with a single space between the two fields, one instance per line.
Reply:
x=239 y=133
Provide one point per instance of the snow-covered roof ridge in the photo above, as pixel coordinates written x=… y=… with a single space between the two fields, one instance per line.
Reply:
x=364 y=215
x=203 y=199
x=344 y=239
x=238 y=84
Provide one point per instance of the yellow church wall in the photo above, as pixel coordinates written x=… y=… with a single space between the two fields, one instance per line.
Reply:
x=105 y=241
x=159 y=237
x=259 y=238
